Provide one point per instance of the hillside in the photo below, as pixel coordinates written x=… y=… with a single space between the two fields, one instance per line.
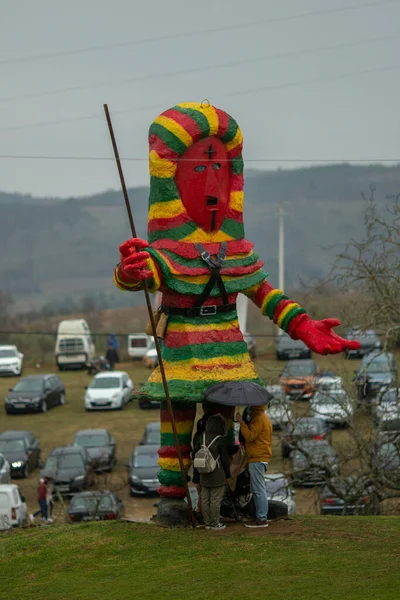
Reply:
x=332 y=558
x=53 y=249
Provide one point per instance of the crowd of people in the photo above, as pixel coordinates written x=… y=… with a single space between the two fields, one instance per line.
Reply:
x=211 y=436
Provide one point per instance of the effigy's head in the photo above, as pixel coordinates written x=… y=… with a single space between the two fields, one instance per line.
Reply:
x=196 y=170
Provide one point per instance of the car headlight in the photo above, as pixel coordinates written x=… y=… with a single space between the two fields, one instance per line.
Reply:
x=17 y=464
x=88 y=397
x=135 y=479
x=37 y=399
x=79 y=478
x=116 y=396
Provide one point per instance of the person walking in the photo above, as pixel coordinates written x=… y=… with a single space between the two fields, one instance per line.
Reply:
x=42 y=500
x=213 y=484
x=258 y=445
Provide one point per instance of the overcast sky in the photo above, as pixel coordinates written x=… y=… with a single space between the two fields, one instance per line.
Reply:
x=308 y=96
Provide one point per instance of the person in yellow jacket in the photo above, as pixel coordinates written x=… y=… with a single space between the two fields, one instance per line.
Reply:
x=258 y=445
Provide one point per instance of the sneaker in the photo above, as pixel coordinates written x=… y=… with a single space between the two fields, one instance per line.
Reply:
x=256 y=523
x=207 y=527
x=49 y=521
x=218 y=527
x=32 y=518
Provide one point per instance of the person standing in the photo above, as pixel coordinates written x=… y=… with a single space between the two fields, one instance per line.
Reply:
x=197 y=440
x=258 y=445
x=111 y=357
x=42 y=500
x=213 y=484
x=112 y=341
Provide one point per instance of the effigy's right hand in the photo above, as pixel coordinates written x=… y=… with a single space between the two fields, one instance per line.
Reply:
x=134 y=260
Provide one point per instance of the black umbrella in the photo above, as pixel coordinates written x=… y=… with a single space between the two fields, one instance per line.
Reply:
x=238 y=393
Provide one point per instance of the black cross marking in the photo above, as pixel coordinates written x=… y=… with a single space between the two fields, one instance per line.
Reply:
x=210 y=151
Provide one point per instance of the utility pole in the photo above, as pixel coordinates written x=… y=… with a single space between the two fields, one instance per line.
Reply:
x=281 y=252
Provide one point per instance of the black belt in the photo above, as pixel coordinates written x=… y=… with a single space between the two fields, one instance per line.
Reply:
x=198 y=311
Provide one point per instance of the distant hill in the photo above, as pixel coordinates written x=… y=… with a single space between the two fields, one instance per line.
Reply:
x=55 y=248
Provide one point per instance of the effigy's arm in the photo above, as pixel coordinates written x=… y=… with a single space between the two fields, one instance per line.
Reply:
x=293 y=319
x=136 y=266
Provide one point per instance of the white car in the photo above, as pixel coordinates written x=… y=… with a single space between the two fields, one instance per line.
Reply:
x=13 y=511
x=279 y=410
x=11 y=361
x=388 y=407
x=5 y=476
x=108 y=390
x=279 y=489
x=331 y=402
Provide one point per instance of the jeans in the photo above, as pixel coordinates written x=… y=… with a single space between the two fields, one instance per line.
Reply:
x=258 y=488
x=42 y=510
x=211 y=504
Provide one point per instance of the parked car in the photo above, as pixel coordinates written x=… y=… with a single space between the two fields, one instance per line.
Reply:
x=142 y=470
x=138 y=344
x=100 y=446
x=69 y=468
x=348 y=496
x=109 y=390
x=388 y=407
x=377 y=372
x=311 y=428
x=74 y=345
x=287 y=348
x=387 y=459
x=313 y=462
x=299 y=378
x=22 y=450
x=13 y=511
x=279 y=410
x=11 y=361
x=251 y=344
x=5 y=470
x=331 y=402
x=279 y=489
x=369 y=341
x=152 y=434
x=35 y=393
x=95 y=506
x=150 y=358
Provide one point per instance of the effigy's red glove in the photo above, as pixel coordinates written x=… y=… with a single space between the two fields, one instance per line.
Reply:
x=133 y=263
x=319 y=335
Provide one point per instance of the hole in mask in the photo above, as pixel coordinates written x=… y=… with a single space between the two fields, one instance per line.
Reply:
x=200 y=168
x=212 y=201
x=216 y=166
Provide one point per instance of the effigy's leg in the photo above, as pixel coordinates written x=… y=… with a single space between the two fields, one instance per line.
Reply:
x=172 y=509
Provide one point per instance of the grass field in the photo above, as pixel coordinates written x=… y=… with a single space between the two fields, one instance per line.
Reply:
x=335 y=558
x=59 y=425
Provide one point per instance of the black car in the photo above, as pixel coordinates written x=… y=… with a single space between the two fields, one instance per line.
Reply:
x=377 y=372
x=305 y=428
x=152 y=435
x=142 y=471
x=35 y=393
x=100 y=446
x=69 y=468
x=313 y=462
x=369 y=342
x=348 y=496
x=286 y=348
x=95 y=506
x=22 y=450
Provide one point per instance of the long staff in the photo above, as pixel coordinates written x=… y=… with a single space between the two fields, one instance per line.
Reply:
x=152 y=321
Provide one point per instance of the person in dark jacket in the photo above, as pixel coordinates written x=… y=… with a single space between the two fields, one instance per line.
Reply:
x=111 y=357
x=213 y=484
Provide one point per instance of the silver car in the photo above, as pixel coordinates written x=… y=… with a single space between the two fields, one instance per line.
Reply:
x=5 y=476
x=388 y=407
x=331 y=402
x=279 y=489
x=279 y=410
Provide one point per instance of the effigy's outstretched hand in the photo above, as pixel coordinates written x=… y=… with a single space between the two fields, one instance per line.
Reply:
x=320 y=337
x=133 y=262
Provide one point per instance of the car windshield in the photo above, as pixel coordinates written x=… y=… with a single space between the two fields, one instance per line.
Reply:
x=65 y=461
x=388 y=450
x=145 y=460
x=91 y=441
x=276 y=487
x=7 y=353
x=107 y=383
x=380 y=364
x=300 y=369
x=336 y=398
x=12 y=445
x=152 y=436
x=28 y=385
x=331 y=386
x=390 y=397
x=91 y=503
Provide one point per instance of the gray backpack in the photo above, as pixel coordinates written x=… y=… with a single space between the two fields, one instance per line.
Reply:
x=204 y=461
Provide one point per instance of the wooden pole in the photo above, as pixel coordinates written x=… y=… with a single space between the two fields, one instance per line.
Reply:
x=152 y=321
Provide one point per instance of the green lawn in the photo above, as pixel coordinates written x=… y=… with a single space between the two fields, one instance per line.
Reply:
x=354 y=558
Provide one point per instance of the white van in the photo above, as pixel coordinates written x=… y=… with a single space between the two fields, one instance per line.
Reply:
x=138 y=344
x=74 y=345
x=13 y=511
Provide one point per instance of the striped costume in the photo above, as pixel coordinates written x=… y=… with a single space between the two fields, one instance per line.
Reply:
x=199 y=351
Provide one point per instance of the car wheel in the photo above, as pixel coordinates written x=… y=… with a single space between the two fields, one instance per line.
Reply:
x=62 y=399
x=25 y=473
x=43 y=406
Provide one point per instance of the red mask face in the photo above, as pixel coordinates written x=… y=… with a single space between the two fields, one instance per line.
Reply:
x=203 y=180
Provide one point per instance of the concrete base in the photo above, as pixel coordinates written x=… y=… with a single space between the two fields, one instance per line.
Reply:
x=173 y=513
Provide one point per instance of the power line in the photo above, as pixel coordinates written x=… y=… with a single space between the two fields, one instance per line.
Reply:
x=196 y=32
x=228 y=94
x=213 y=67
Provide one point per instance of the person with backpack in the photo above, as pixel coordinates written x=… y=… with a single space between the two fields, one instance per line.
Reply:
x=197 y=439
x=211 y=459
